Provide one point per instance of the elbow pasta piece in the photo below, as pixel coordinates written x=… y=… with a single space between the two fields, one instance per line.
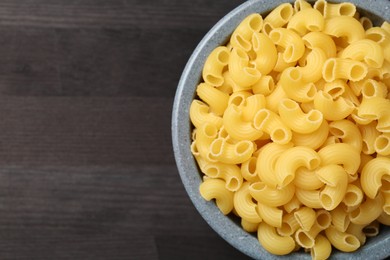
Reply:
x=225 y=152
x=305 y=217
x=321 y=249
x=297 y=120
x=357 y=231
x=292 y=205
x=264 y=86
x=332 y=109
x=266 y=53
x=273 y=99
x=242 y=35
x=292 y=159
x=382 y=144
x=270 y=215
x=230 y=173
x=369 y=135
x=307 y=179
x=342 y=241
x=244 y=205
x=372 y=88
x=248 y=226
x=322 y=41
x=300 y=5
x=274 y=243
x=271 y=196
x=339 y=68
x=376 y=109
x=199 y=114
x=344 y=26
x=353 y=196
x=280 y=15
x=214 y=65
x=281 y=64
x=364 y=50
x=290 y=41
x=215 y=189
x=313 y=140
x=340 y=219
x=366 y=23
x=368 y=211
x=380 y=36
x=215 y=98
x=302 y=25
x=348 y=132
x=248 y=170
x=343 y=154
x=372 y=174
x=240 y=70
x=205 y=135
x=309 y=198
x=289 y=225
x=312 y=71
x=295 y=87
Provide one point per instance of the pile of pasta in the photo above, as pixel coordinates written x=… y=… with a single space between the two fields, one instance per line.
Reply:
x=292 y=127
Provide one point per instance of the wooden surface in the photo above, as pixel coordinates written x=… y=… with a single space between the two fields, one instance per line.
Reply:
x=86 y=163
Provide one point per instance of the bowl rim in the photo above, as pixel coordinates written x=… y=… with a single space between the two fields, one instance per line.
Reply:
x=189 y=173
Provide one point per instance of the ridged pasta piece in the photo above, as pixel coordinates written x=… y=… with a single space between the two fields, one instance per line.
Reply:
x=372 y=175
x=372 y=229
x=353 y=196
x=300 y=5
x=333 y=10
x=322 y=41
x=339 y=68
x=372 y=88
x=343 y=154
x=273 y=99
x=214 y=65
x=289 y=225
x=244 y=205
x=230 y=173
x=251 y=105
x=323 y=219
x=365 y=22
x=270 y=196
x=229 y=86
x=348 y=132
x=321 y=249
x=274 y=243
x=376 y=109
x=296 y=87
x=304 y=239
x=229 y=153
x=364 y=50
x=380 y=36
x=342 y=241
x=382 y=144
x=215 y=189
x=368 y=211
x=279 y=16
x=335 y=88
x=297 y=120
x=369 y=135
x=307 y=179
x=336 y=180
x=266 y=162
x=332 y=109
x=313 y=140
x=340 y=219
x=270 y=215
x=266 y=53
x=215 y=98
x=305 y=217
x=309 y=198
x=205 y=135
x=281 y=64
x=292 y=205
x=238 y=98
x=302 y=25
x=357 y=231
x=200 y=114
x=248 y=170
x=292 y=43
x=292 y=159
x=240 y=69
x=242 y=35
x=344 y=26
x=312 y=71
x=248 y=226
x=270 y=123
x=264 y=86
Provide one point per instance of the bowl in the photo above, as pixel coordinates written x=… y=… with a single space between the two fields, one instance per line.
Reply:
x=229 y=227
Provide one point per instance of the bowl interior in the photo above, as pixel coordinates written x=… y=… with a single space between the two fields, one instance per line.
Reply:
x=228 y=227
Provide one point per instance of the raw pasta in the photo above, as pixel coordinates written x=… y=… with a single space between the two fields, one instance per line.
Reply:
x=292 y=127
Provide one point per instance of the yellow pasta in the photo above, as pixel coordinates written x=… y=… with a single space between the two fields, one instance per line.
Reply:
x=292 y=127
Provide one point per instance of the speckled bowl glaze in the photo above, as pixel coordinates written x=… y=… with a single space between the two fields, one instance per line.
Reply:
x=228 y=227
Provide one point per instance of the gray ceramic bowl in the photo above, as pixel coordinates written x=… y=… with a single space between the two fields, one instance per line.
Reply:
x=227 y=227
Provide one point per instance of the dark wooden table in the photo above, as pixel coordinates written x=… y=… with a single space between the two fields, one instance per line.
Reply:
x=86 y=92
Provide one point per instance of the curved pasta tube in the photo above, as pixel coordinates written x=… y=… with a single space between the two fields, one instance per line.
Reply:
x=313 y=140
x=266 y=162
x=305 y=217
x=281 y=64
x=238 y=98
x=242 y=35
x=248 y=226
x=215 y=98
x=322 y=41
x=382 y=144
x=292 y=159
x=270 y=196
x=366 y=23
x=199 y=114
x=365 y=50
x=300 y=5
x=369 y=135
x=357 y=231
x=296 y=87
x=215 y=189
x=335 y=10
x=269 y=122
x=312 y=71
x=266 y=53
x=272 y=242
x=372 y=88
x=273 y=99
x=309 y=198
x=280 y=15
x=348 y=132
x=322 y=248
x=270 y=215
x=297 y=120
x=340 y=219
x=336 y=181
x=229 y=86
x=343 y=154
x=304 y=239
x=342 y=241
x=251 y=105
x=302 y=25
x=214 y=65
x=205 y=135
x=384 y=219
x=228 y=153
x=264 y=86
x=335 y=88
x=244 y=205
x=292 y=205
x=240 y=71
x=290 y=41
x=372 y=174
x=339 y=68
x=332 y=109
x=324 y=219
x=248 y=170
x=307 y=179
x=368 y=211
x=376 y=108
x=237 y=127
x=230 y=173
x=344 y=26
x=353 y=196
x=289 y=225
x=380 y=36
